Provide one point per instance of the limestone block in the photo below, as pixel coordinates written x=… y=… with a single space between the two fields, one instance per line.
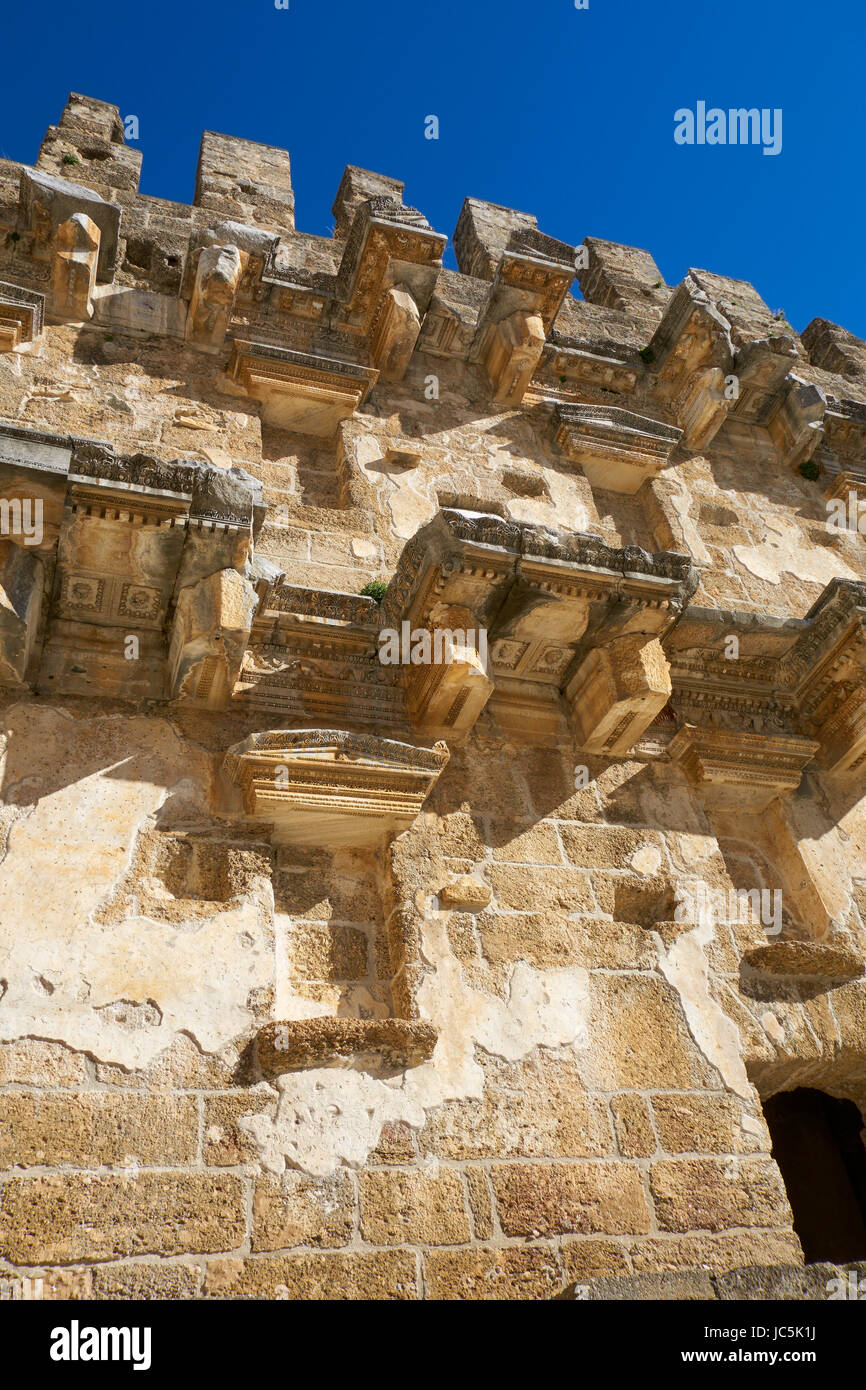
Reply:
x=393 y=1043
x=216 y=282
x=21 y=584
x=74 y=271
x=617 y=693
x=211 y=628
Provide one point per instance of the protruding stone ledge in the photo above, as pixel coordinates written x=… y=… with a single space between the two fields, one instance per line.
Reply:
x=617 y=449
x=738 y=770
x=815 y=960
x=395 y=1044
x=21 y=316
x=545 y=602
x=299 y=391
x=329 y=787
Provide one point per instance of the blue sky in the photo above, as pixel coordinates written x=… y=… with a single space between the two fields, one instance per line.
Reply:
x=565 y=113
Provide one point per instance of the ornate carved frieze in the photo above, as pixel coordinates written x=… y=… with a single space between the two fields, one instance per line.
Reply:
x=617 y=449
x=330 y=787
x=21 y=316
x=581 y=368
x=299 y=391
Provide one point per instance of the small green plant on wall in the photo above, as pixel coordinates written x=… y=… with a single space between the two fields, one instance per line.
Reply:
x=375 y=589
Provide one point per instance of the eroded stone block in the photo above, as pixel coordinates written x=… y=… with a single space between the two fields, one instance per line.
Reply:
x=617 y=693
x=211 y=629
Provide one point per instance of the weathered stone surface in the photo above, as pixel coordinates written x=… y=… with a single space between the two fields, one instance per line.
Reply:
x=293 y=1003
x=699 y=1194
x=399 y=1208
x=552 y=1199
x=61 y=1220
x=297 y=1210
x=96 y=1130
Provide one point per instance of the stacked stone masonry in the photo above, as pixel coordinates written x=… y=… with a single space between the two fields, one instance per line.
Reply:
x=327 y=978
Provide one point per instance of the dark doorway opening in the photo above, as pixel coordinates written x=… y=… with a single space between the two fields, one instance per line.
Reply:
x=817 y=1145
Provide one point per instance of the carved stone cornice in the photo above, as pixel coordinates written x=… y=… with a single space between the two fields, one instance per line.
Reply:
x=792 y=677
x=300 y=391
x=737 y=770
x=616 y=448
x=21 y=316
x=331 y=787
x=312 y=660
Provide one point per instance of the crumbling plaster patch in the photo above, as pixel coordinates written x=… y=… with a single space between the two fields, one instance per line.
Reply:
x=120 y=991
x=686 y=968
x=329 y=1116
x=784 y=553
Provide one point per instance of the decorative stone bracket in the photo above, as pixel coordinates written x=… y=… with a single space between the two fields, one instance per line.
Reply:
x=79 y=233
x=691 y=354
x=328 y=787
x=128 y=547
x=217 y=277
x=617 y=449
x=531 y=280
x=557 y=613
x=21 y=316
x=299 y=391
x=797 y=425
x=387 y=277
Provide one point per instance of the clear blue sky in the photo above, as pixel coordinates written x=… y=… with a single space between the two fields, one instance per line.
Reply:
x=561 y=112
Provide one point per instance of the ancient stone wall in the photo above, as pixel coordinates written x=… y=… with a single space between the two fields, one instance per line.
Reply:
x=328 y=977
